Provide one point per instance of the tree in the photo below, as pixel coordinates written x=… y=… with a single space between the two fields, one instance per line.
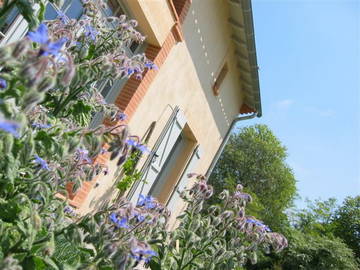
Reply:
x=347 y=223
x=255 y=158
x=315 y=252
x=318 y=238
x=317 y=218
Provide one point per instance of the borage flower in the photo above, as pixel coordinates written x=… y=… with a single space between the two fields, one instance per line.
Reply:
x=138 y=146
x=10 y=127
x=121 y=116
x=83 y=155
x=3 y=83
x=120 y=223
x=147 y=201
x=40 y=126
x=141 y=251
x=90 y=32
x=42 y=163
x=41 y=36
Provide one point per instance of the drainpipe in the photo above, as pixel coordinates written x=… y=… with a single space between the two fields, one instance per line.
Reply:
x=225 y=140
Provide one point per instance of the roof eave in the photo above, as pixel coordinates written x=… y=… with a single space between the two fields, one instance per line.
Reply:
x=248 y=62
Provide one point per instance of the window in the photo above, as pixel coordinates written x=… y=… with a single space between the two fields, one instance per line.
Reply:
x=10 y=19
x=71 y=8
x=219 y=79
x=169 y=157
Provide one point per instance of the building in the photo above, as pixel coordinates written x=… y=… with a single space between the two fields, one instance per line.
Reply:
x=207 y=76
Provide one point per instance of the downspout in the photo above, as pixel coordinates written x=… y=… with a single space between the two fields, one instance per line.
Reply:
x=225 y=140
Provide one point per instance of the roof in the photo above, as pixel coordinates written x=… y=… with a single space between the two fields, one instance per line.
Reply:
x=243 y=37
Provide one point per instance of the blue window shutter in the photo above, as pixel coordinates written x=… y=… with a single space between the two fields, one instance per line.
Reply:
x=164 y=147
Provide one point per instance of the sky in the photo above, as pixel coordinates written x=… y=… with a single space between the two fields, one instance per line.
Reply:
x=309 y=58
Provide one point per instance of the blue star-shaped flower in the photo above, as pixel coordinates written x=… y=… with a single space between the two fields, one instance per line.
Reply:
x=90 y=32
x=122 y=223
x=3 y=83
x=122 y=116
x=41 y=36
x=9 y=127
x=138 y=146
x=43 y=164
x=148 y=201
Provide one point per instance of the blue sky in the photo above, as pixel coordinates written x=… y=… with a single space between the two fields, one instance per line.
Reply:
x=309 y=58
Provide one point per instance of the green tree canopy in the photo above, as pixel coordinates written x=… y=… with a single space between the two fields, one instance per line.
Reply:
x=255 y=158
x=347 y=223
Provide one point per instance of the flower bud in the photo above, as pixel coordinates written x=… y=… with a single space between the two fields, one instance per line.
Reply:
x=216 y=221
x=36 y=221
x=20 y=48
x=226 y=215
x=122 y=18
x=31 y=99
x=133 y=23
x=5 y=53
x=46 y=84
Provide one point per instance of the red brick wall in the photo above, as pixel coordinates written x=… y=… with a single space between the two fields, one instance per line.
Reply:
x=182 y=8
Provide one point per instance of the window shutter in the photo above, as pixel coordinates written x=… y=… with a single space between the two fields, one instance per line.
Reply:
x=156 y=161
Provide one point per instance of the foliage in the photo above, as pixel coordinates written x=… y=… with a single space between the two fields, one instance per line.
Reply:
x=131 y=175
x=47 y=96
x=220 y=237
x=255 y=158
x=347 y=223
x=326 y=218
x=315 y=241
x=310 y=251
x=316 y=218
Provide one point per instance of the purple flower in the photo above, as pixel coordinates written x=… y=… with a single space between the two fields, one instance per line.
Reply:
x=43 y=164
x=131 y=143
x=259 y=224
x=140 y=253
x=120 y=223
x=40 y=126
x=138 y=146
x=41 y=36
x=9 y=127
x=142 y=148
x=3 y=83
x=82 y=155
x=130 y=71
x=90 y=32
x=151 y=65
x=69 y=210
x=140 y=217
x=122 y=116
x=147 y=201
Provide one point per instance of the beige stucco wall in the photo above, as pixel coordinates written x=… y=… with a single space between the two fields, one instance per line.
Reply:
x=154 y=17
x=185 y=80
